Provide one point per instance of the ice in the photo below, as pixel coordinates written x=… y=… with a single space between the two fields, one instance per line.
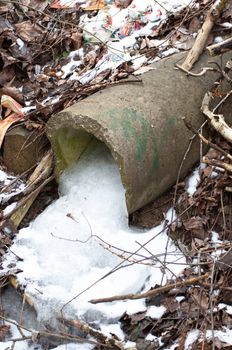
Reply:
x=68 y=248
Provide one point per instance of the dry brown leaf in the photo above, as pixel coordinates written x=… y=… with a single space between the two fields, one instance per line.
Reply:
x=196 y=225
x=227 y=13
x=4 y=330
x=200 y=298
x=29 y=32
x=122 y=3
x=171 y=304
x=94 y=5
x=39 y=5
x=76 y=39
x=12 y=92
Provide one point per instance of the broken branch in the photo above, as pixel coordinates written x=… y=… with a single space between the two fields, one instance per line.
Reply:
x=151 y=293
x=219 y=48
x=203 y=34
x=216 y=120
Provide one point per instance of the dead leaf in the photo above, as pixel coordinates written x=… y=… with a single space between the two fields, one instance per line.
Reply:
x=194 y=25
x=29 y=31
x=94 y=5
x=200 y=298
x=225 y=262
x=196 y=225
x=12 y=92
x=7 y=75
x=7 y=58
x=171 y=304
x=4 y=330
x=122 y=3
x=57 y=5
x=76 y=39
x=227 y=13
x=39 y=5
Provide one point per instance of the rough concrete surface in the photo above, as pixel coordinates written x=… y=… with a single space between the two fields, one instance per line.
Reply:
x=142 y=126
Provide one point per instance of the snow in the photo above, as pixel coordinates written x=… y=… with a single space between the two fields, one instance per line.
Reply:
x=130 y=345
x=194 y=179
x=215 y=237
x=23 y=344
x=120 y=29
x=5 y=178
x=17 y=186
x=74 y=346
x=180 y=299
x=193 y=182
x=109 y=329
x=227 y=308
x=151 y=337
x=66 y=249
x=191 y=338
x=224 y=335
x=9 y=209
x=20 y=43
x=20 y=344
x=156 y=312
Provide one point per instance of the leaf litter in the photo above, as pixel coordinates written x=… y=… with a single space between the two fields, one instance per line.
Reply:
x=49 y=63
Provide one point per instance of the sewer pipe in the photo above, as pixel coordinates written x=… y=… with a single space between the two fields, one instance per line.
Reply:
x=142 y=126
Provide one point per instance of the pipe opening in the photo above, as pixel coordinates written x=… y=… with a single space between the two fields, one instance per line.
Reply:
x=71 y=144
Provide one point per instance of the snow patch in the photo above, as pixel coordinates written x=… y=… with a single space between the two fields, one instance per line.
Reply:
x=79 y=241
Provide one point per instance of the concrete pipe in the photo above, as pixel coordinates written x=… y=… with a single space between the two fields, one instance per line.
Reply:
x=142 y=126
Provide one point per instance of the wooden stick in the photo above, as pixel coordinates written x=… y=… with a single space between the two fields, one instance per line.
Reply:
x=151 y=293
x=203 y=34
x=207 y=142
x=219 y=48
x=217 y=163
x=109 y=342
x=216 y=120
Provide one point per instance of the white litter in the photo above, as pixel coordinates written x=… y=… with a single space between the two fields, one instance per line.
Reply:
x=120 y=30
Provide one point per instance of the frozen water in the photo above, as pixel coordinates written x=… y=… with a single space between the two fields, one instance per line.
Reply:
x=66 y=249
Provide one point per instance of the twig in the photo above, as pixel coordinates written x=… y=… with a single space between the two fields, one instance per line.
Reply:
x=105 y=341
x=151 y=293
x=218 y=163
x=216 y=120
x=219 y=48
x=207 y=142
x=59 y=336
x=203 y=34
x=120 y=265
x=203 y=71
